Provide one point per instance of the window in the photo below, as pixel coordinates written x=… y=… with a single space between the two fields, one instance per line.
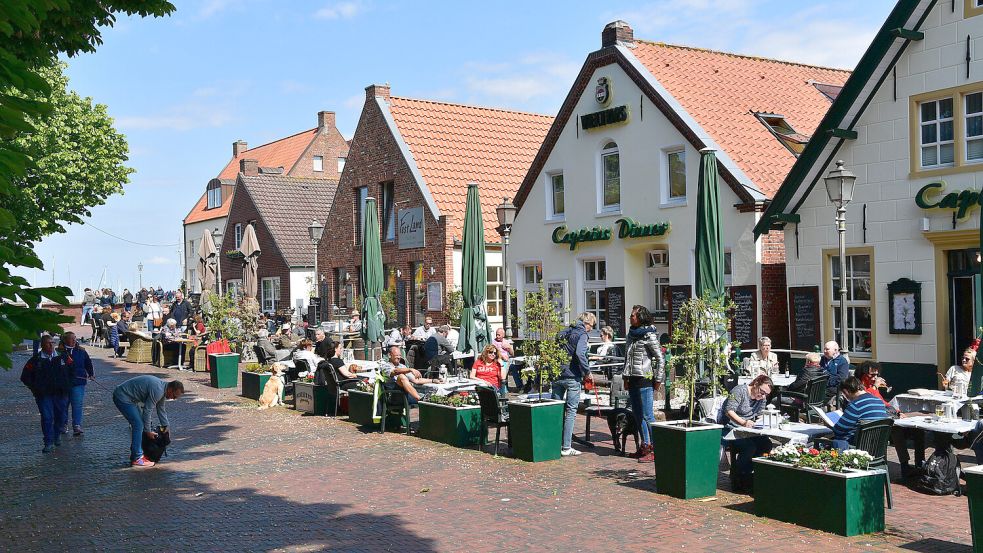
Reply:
x=937 y=146
x=388 y=212
x=494 y=291
x=532 y=275
x=238 y=236
x=234 y=287
x=556 y=208
x=858 y=302
x=974 y=126
x=214 y=195
x=595 y=292
x=193 y=282
x=784 y=132
x=657 y=263
x=728 y=269
x=192 y=251
x=270 y=293
x=675 y=182
x=419 y=294
x=318 y=163
x=972 y=7
x=361 y=194
x=340 y=281
x=341 y=165
x=610 y=178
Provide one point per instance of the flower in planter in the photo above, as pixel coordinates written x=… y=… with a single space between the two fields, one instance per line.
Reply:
x=821 y=459
x=460 y=399
x=309 y=378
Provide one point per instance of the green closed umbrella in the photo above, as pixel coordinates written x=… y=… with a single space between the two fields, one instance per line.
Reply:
x=709 y=250
x=474 y=319
x=373 y=316
x=975 y=379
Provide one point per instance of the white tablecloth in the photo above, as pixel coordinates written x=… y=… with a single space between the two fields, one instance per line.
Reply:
x=796 y=432
x=910 y=403
x=779 y=379
x=932 y=424
x=451 y=386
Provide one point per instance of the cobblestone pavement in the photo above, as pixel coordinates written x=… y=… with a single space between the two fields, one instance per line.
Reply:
x=239 y=479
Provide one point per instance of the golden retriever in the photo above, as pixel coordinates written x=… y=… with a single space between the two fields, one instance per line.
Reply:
x=273 y=391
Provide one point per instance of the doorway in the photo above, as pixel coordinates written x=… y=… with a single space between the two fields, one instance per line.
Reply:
x=964 y=270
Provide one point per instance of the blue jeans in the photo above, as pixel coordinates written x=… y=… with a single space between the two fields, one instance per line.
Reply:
x=641 y=407
x=77 y=398
x=516 y=374
x=150 y=324
x=747 y=449
x=841 y=444
x=54 y=413
x=569 y=389
x=86 y=313
x=133 y=416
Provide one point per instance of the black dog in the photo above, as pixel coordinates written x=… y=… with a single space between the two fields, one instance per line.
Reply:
x=621 y=423
x=155 y=449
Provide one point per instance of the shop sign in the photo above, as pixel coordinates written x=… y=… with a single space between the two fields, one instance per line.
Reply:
x=411 y=228
x=602 y=92
x=605 y=117
x=627 y=228
x=930 y=197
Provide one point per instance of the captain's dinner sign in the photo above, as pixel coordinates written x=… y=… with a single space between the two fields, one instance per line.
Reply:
x=627 y=228
x=931 y=196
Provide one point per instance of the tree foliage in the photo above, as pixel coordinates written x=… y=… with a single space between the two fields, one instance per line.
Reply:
x=32 y=35
x=544 y=321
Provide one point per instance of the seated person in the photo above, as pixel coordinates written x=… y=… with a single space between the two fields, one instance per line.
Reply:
x=263 y=342
x=860 y=406
x=426 y=331
x=399 y=376
x=285 y=338
x=299 y=331
x=437 y=344
x=323 y=346
x=344 y=371
x=837 y=368
x=346 y=378
x=607 y=347
x=763 y=361
x=305 y=352
x=355 y=322
x=960 y=375
x=810 y=371
x=488 y=368
x=398 y=336
x=740 y=409
x=169 y=336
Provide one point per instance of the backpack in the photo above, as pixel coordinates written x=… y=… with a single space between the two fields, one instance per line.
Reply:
x=940 y=474
x=155 y=449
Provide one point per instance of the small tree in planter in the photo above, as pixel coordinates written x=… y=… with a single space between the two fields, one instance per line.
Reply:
x=700 y=348
x=455 y=303
x=544 y=321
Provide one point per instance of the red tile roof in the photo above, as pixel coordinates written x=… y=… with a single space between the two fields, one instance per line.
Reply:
x=455 y=144
x=279 y=153
x=721 y=90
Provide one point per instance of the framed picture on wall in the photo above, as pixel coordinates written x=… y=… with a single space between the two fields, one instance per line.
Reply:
x=557 y=292
x=905 y=303
x=435 y=296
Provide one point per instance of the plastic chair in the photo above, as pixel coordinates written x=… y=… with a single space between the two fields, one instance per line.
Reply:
x=872 y=436
x=333 y=381
x=814 y=396
x=396 y=403
x=492 y=414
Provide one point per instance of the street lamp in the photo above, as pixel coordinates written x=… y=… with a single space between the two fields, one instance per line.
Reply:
x=315 y=230
x=140 y=272
x=506 y=216
x=839 y=187
x=217 y=238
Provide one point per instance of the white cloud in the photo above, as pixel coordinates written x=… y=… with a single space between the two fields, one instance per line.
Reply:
x=340 y=10
x=525 y=82
x=160 y=260
x=183 y=118
x=209 y=8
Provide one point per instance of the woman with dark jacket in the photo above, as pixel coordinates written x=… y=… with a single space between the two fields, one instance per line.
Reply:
x=645 y=370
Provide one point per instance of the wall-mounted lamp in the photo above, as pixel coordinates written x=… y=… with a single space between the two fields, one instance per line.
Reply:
x=926 y=224
x=432 y=271
x=399 y=273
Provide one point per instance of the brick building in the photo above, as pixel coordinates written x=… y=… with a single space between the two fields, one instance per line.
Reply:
x=416 y=157
x=280 y=208
x=624 y=155
x=317 y=153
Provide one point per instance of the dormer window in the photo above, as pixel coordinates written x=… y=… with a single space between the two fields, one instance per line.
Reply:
x=795 y=142
x=214 y=195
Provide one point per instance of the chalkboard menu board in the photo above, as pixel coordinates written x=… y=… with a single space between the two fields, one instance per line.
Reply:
x=677 y=297
x=616 y=310
x=803 y=314
x=401 y=302
x=744 y=322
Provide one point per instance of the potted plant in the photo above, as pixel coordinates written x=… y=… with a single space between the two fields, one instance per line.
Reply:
x=452 y=419
x=822 y=489
x=310 y=397
x=687 y=452
x=254 y=378
x=536 y=425
x=361 y=403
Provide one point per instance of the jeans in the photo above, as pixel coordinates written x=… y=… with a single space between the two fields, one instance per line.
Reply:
x=86 y=313
x=841 y=445
x=641 y=408
x=54 y=413
x=516 y=374
x=150 y=324
x=76 y=398
x=133 y=416
x=569 y=389
x=900 y=435
x=127 y=307
x=747 y=449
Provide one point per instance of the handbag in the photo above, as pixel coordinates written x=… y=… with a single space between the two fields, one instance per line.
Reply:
x=159 y=322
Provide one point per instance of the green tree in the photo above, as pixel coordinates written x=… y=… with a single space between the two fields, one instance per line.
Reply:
x=544 y=321
x=455 y=304
x=33 y=33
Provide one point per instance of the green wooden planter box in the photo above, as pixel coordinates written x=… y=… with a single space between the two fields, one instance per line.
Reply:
x=687 y=458
x=360 y=407
x=974 y=492
x=254 y=383
x=847 y=503
x=311 y=398
x=536 y=430
x=225 y=370
x=457 y=426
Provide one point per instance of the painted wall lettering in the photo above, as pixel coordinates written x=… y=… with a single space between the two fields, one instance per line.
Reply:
x=930 y=197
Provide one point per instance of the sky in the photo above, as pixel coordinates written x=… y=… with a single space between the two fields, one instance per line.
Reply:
x=185 y=87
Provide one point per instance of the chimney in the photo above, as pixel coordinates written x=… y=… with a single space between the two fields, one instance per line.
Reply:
x=615 y=32
x=325 y=120
x=374 y=91
x=249 y=167
x=238 y=147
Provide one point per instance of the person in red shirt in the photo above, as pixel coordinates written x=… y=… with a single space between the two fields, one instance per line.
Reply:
x=490 y=369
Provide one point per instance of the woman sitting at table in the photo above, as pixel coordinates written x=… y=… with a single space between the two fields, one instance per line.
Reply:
x=305 y=352
x=764 y=361
x=346 y=378
x=960 y=375
x=489 y=369
x=741 y=408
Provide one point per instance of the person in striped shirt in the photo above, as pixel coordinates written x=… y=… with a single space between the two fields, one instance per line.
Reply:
x=861 y=406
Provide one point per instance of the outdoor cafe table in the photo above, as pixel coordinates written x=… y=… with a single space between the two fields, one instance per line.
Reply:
x=931 y=423
x=923 y=402
x=781 y=380
x=795 y=432
x=451 y=385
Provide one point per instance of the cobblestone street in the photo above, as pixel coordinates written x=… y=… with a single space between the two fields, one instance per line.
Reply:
x=239 y=479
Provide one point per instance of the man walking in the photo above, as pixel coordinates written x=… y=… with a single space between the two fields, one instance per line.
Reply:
x=127 y=300
x=88 y=300
x=181 y=310
x=80 y=366
x=50 y=381
x=572 y=373
x=136 y=399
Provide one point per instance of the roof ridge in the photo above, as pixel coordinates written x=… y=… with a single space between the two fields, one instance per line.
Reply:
x=473 y=106
x=279 y=140
x=746 y=56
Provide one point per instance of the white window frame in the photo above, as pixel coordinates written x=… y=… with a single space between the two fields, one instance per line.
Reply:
x=659 y=278
x=728 y=268
x=551 y=214
x=937 y=124
x=595 y=287
x=341 y=164
x=269 y=292
x=359 y=216
x=493 y=291
x=213 y=195
x=613 y=209
x=967 y=115
x=318 y=164
x=237 y=234
x=525 y=286
x=852 y=304
x=666 y=199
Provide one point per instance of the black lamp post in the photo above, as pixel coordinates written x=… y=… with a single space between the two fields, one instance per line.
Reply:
x=506 y=217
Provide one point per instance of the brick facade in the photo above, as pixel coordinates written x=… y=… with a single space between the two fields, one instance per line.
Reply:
x=328 y=143
x=774 y=300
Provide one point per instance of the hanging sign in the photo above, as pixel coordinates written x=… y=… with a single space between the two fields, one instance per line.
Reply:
x=611 y=116
x=412 y=233
x=930 y=197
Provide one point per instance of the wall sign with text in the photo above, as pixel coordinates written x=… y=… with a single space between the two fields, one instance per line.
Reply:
x=610 y=116
x=627 y=228
x=963 y=202
x=411 y=228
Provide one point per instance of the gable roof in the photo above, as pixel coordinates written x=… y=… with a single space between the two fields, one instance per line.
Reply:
x=277 y=198
x=711 y=97
x=838 y=124
x=449 y=145
x=284 y=152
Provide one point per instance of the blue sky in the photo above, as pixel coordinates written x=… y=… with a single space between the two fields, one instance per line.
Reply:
x=183 y=88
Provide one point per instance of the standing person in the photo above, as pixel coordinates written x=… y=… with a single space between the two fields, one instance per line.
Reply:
x=645 y=371
x=489 y=369
x=181 y=310
x=836 y=366
x=742 y=406
x=142 y=296
x=106 y=299
x=155 y=313
x=80 y=364
x=88 y=300
x=136 y=399
x=127 y=300
x=50 y=380
x=572 y=373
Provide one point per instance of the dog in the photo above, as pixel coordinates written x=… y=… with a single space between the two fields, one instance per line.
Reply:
x=621 y=423
x=273 y=391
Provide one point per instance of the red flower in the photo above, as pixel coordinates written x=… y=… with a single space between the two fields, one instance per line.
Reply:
x=813 y=451
x=975 y=344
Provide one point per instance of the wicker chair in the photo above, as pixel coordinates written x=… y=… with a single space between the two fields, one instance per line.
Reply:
x=140 y=348
x=168 y=356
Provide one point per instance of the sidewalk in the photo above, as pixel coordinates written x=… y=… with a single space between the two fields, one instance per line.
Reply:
x=239 y=479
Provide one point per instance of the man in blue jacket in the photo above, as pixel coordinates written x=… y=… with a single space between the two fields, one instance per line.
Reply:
x=50 y=380
x=836 y=366
x=572 y=373
x=80 y=365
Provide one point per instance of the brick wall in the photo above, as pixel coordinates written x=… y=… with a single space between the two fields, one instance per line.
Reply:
x=375 y=158
x=774 y=303
x=328 y=143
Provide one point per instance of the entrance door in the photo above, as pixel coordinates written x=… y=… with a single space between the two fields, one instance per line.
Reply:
x=964 y=267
